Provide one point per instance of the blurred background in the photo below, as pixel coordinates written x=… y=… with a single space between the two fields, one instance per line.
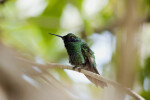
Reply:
x=118 y=31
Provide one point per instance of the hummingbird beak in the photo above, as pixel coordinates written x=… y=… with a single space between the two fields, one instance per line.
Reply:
x=56 y=35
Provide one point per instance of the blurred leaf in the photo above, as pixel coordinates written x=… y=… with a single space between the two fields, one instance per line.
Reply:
x=106 y=15
x=146 y=69
x=77 y=3
x=146 y=95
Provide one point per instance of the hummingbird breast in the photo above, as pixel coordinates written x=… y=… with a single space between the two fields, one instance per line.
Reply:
x=75 y=53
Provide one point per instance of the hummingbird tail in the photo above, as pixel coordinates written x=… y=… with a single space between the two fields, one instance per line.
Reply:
x=97 y=82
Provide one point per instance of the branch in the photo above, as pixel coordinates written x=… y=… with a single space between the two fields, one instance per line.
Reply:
x=93 y=75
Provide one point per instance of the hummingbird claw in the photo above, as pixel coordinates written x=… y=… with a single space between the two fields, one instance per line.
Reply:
x=74 y=67
x=79 y=69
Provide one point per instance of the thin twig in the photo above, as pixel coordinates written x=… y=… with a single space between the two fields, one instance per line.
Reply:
x=93 y=75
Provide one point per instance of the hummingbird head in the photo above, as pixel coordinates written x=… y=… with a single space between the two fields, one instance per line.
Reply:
x=68 y=38
x=71 y=38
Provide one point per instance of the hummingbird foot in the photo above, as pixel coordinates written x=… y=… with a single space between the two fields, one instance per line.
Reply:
x=74 y=67
x=79 y=68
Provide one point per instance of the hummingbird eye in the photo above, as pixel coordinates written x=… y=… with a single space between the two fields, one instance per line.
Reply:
x=72 y=37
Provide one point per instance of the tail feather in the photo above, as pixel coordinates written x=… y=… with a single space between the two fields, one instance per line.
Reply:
x=97 y=82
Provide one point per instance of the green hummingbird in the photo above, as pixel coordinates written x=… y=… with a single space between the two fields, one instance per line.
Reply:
x=80 y=55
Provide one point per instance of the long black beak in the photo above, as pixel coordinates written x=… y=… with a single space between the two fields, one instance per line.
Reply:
x=56 y=35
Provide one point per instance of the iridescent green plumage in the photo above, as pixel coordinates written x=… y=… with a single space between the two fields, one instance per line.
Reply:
x=74 y=52
x=81 y=55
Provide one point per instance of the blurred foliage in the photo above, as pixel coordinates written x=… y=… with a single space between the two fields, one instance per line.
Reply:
x=146 y=69
x=28 y=34
x=145 y=76
x=146 y=94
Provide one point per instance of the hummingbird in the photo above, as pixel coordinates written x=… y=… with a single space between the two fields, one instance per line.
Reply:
x=81 y=56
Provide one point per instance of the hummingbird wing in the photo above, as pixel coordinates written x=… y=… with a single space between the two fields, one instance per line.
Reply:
x=90 y=63
x=89 y=57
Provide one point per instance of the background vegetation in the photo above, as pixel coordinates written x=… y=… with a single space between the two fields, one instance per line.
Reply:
x=118 y=31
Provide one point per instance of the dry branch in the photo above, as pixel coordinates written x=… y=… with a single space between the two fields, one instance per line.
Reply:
x=93 y=75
